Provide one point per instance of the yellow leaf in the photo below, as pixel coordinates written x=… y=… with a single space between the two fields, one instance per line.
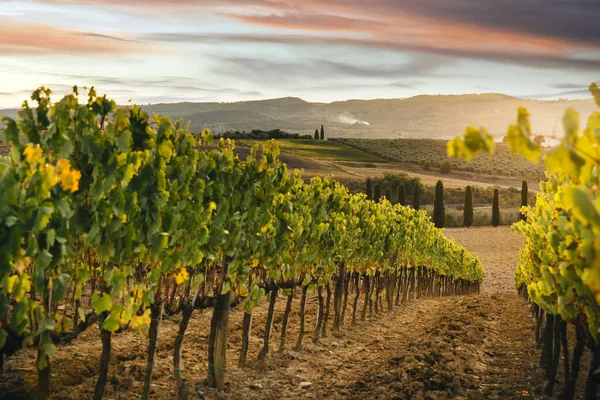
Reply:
x=33 y=154
x=181 y=276
x=141 y=320
x=10 y=283
x=69 y=178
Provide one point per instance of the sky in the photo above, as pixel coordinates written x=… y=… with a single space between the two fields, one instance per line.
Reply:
x=156 y=51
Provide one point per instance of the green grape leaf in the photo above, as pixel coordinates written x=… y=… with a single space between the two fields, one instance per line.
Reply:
x=10 y=220
x=475 y=141
x=101 y=303
x=582 y=205
x=124 y=141
x=226 y=287
x=571 y=125
x=112 y=323
x=44 y=259
x=563 y=158
x=47 y=324
x=11 y=132
x=49 y=349
x=595 y=91
x=81 y=314
x=519 y=140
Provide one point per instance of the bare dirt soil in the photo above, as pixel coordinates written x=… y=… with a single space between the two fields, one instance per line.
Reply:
x=457 y=347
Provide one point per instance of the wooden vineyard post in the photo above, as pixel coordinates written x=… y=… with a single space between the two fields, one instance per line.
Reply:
x=269 y=323
x=302 y=311
x=217 y=344
x=246 y=328
x=337 y=298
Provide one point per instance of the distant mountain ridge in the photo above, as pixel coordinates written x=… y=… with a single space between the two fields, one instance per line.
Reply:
x=423 y=116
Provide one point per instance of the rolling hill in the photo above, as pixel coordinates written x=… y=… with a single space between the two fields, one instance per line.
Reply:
x=425 y=117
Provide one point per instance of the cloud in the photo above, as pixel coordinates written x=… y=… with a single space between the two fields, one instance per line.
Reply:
x=122 y=85
x=577 y=93
x=109 y=37
x=537 y=23
x=505 y=55
x=576 y=86
x=20 y=38
x=326 y=73
x=538 y=33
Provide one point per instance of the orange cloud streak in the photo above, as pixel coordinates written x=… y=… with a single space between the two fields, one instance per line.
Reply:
x=40 y=39
x=417 y=31
x=382 y=21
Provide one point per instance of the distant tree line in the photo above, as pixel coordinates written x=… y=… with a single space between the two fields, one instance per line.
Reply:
x=394 y=189
x=397 y=188
x=258 y=134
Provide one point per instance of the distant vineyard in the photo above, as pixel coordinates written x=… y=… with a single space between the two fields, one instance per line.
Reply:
x=431 y=152
x=322 y=150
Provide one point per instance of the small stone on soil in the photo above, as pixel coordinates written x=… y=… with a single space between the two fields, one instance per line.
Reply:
x=305 y=385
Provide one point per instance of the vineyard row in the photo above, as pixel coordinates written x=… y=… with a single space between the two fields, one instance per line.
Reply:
x=110 y=216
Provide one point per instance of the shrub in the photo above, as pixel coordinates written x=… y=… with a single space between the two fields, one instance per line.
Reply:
x=445 y=167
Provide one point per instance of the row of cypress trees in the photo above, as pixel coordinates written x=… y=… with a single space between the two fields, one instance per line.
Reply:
x=374 y=193
x=439 y=212
x=322 y=134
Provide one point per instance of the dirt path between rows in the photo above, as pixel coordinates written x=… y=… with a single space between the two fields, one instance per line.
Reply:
x=471 y=347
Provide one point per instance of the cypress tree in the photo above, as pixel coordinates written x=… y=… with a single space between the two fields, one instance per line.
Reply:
x=377 y=193
x=316 y=134
x=468 y=212
x=402 y=194
x=369 y=190
x=495 y=209
x=322 y=133
x=524 y=194
x=415 y=199
x=439 y=214
x=388 y=194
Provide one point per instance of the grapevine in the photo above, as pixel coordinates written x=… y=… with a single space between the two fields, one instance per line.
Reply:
x=559 y=269
x=110 y=216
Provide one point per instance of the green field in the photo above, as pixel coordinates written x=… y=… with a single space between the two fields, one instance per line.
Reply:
x=321 y=150
x=429 y=153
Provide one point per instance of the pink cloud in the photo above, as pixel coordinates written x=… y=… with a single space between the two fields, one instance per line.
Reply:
x=483 y=27
x=22 y=38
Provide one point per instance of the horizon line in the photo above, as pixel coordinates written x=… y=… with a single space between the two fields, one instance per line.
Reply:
x=183 y=101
